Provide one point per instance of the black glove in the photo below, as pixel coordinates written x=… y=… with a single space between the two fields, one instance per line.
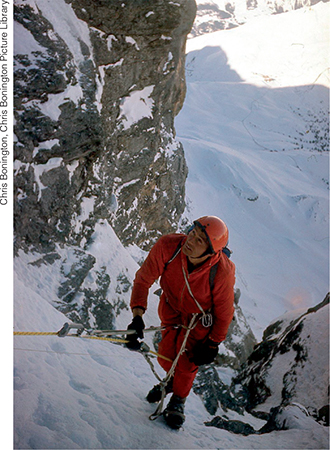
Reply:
x=137 y=324
x=204 y=352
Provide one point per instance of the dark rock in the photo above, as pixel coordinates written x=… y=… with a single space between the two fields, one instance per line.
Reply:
x=323 y=415
x=286 y=417
x=234 y=426
x=75 y=276
x=81 y=302
x=95 y=304
x=240 y=341
x=290 y=416
x=49 y=258
x=214 y=392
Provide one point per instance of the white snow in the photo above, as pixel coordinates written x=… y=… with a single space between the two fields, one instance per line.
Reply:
x=111 y=38
x=315 y=371
x=72 y=30
x=166 y=38
x=245 y=11
x=24 y=40
x=137 y=105
x=65 y=24
x=75 y=393
x=51 y=108
x=71 y=168
x=40 y=169
x=169 y=59
x=267 y=51
x=249 y=98
x=45 y=145
x=132 y=41
x=86 y=208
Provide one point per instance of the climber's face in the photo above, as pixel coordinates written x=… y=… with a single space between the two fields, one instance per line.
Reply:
x=196 y=243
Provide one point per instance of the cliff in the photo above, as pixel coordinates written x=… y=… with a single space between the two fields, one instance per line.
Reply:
x=97 y=87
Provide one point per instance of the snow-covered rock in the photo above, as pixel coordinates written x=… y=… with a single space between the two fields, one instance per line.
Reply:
x=97 y=87
x=291 y=363
x=284 y=381
x=214 y=15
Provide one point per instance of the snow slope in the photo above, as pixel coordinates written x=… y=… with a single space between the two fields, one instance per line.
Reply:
x=239 y=127
x=74 y=393
x=254 y=127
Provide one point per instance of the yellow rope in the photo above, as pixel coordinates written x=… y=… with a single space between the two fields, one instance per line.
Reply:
x=121 y=341
x=35 y=333
x=32 y=333
x=160 y=356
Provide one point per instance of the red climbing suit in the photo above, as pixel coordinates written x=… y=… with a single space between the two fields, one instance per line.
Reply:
x=176 y=305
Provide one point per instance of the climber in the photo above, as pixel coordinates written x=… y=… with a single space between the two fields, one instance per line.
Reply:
x=183 y=263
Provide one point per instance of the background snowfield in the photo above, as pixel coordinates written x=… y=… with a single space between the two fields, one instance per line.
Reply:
x=251 y=127
x=255 y=94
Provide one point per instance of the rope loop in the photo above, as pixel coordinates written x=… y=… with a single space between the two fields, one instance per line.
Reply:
x=170 y=373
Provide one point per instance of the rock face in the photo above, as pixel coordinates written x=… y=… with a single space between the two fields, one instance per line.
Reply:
x=97 y=86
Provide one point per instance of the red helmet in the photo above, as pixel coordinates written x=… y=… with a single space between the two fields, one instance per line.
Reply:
x=216 y=231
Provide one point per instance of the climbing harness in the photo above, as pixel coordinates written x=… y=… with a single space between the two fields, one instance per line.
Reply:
x=207 y=317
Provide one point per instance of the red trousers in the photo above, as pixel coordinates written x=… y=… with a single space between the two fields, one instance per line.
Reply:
x=172 y=338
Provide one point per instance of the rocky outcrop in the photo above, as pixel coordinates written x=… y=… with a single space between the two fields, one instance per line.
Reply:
x=97 y=86
x=211 y=17
x=240 y=340
x=233 y=353
x=296 y=351
x=292 y=416
x=285 y=379
x=215 y=15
